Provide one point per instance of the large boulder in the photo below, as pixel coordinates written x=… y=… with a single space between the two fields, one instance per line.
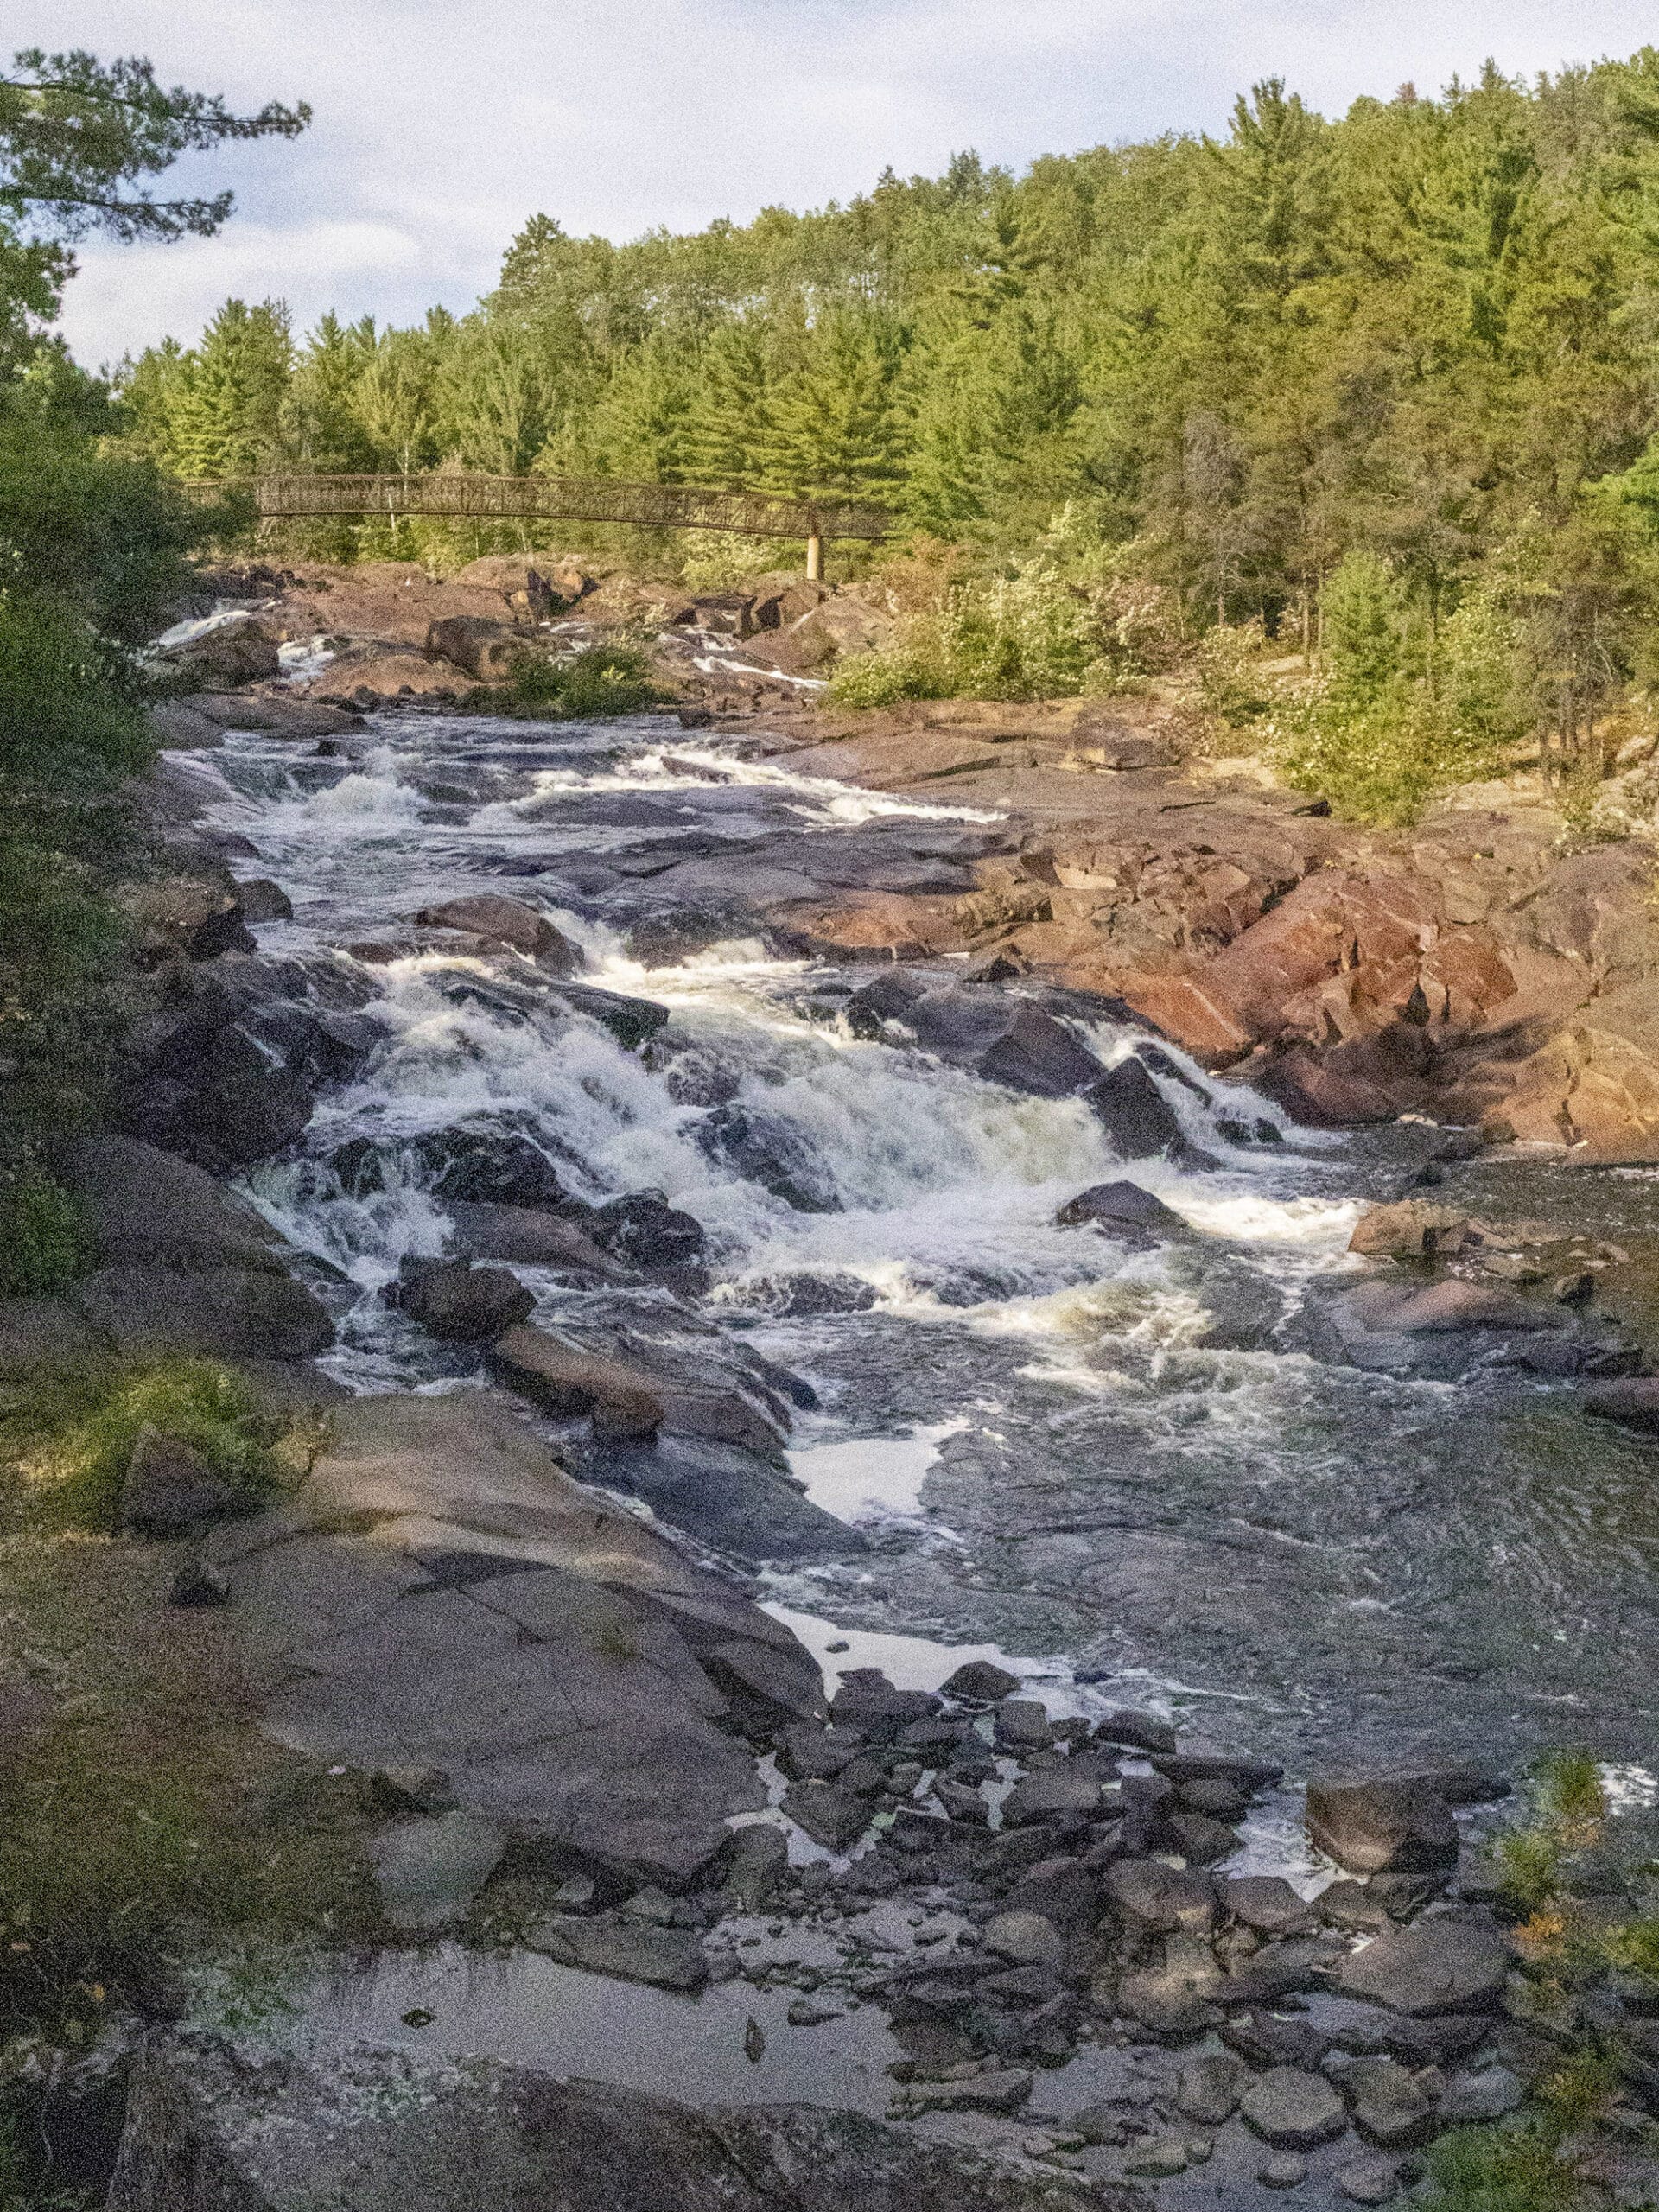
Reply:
x=1386 y=1826
x=1633 y=1402
x=460 y=1300
x=239 y=649
x=1139 y=1119
x=213 y=1312
x=621 y=1400
x=1116 y=1206
x=170 y=1491
x=197 y=916
x=531 y=1236
x=148 y=1208
x=1431 y=1967
x=489 y=650
x=509 y=922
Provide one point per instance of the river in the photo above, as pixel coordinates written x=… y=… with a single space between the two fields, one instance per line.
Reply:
x=1123 y=1466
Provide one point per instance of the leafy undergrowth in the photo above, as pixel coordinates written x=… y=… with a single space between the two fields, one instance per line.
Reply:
x=1582 y=1881
x=150 y=1828
x=597 y=681
x=70 y=1433
x=44 y=1243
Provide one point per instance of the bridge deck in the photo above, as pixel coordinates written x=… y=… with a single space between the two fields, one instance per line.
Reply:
x=567 y=498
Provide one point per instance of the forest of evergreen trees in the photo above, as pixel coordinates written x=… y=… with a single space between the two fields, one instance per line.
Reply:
x=1413 y=352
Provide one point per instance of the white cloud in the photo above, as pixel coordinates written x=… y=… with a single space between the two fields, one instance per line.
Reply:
x=443 y=124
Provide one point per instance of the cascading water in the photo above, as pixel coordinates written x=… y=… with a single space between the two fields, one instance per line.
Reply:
x=1077 y=1448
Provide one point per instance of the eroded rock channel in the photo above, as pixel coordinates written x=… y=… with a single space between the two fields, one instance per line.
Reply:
x=853 y=1484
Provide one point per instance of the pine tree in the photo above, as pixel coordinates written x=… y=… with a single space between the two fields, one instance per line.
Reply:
x=225 y=415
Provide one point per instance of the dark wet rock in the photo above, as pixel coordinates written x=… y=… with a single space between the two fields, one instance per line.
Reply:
x=1140 y=1731
x=1051 y=1792
x=509 y=922
x=667 y=1958
x=1021 y=1723
x=1437 y=1966
x=170 y=1491
x=1633 y=1403
x=1156 y=1900
x=962 y=1802
x=1265 y=2040
x=832 y=1816
x=807 y=1297
x=808 y=1754
x=1284 y=2171
x=531 y=1235
x=1392 y=2107
x=239 y=650
x=1350 y=1906
x=193 y=917
x=867 y=1702
x=632 y=1021
x=1215 y=1796
x=982 y=1682
x=1200 y=1839
x=1479 y=2098
x=460 y=1300
x=1038 y=1055
x=262 y=900
x=1267 y=1904
x=1002 y=2091
x=764 y=1149
x=738 y=1501
x=644 y=1230
x=1138 y=1118
x=401 y=1790
x=755 y=1864
x=1381 y=1826
x=428 y=1871
x=222 y=1312
x=1115 y=1206
x=1292 y=2110
x=1061 y=1889
x=1195 y=1762
x=1208 y=2090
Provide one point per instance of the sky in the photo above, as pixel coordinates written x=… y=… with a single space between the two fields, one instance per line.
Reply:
x=441 y=125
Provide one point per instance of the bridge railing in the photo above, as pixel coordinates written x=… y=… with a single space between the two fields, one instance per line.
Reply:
x=464 y=497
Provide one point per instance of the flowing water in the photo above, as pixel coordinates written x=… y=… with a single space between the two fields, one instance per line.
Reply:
x=1107 y=1462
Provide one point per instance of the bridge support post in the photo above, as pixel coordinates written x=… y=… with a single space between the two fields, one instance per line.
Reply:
x=814 y=558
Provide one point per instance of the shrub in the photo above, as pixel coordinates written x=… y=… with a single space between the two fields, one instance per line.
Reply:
x=913 y=668
x=43 y=1237
x=73 y=1434
x=718 y=560
x=599 y=680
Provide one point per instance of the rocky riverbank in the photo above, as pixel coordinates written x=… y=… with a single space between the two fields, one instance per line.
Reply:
x=530 y=1246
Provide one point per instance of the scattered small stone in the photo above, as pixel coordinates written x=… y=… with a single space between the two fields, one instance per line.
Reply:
x=1267 y=1904
x=1437 y=1966
x=839 y=1644
x=831 y=1816
x=1161 y=2158
x=170 y=1490
x=754 y=2041
x=1022 y=1724
x=978 y=1681
x=1392 y=2107
x=1488 y=2096
x=1350 y=1907
x=1026 y=1937
x=665 y=1957
x=1003 y=2090
x=806 y=2012
x=1285 y=2172
x=1369 y=2181
x=411 y=1789
x=652 y=1905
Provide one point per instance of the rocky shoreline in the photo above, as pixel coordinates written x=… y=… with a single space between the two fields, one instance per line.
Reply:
x=579 y=1718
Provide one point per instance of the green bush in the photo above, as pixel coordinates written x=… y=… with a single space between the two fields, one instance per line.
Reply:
x=43 y=1237
x=73 y=1433
x=599 y=680
x=912 y=669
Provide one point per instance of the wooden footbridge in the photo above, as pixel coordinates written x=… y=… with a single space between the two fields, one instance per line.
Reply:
x=457 y=496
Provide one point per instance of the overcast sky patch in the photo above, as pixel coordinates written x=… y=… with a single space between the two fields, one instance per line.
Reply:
x=443 y=125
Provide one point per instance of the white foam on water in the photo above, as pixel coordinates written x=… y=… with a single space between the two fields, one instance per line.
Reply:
x=202 y=625
x=865 y=1478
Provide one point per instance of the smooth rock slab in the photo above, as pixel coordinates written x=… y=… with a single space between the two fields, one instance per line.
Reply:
x=667 y=1958
x=1437 y=1966
x=389 y=2132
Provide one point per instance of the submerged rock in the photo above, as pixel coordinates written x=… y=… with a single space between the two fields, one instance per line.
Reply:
x=460 y=1300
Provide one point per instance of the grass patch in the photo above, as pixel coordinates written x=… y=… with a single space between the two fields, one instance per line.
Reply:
x=1500 y=2170
x=597 y=681
x=44 y=1239
x=71 y=1433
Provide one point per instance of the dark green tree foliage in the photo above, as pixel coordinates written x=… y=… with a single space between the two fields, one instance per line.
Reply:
x=92 y=544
